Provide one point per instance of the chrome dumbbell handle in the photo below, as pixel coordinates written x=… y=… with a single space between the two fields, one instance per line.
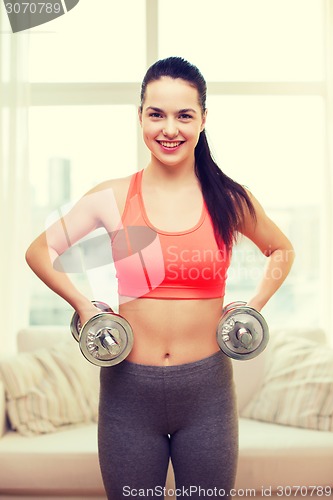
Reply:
x=245 y=337
x=109 y=340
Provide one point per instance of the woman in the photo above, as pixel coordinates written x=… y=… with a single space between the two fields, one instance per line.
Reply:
x=173 y=396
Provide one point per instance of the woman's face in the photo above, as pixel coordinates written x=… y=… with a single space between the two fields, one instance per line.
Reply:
x=171 y=121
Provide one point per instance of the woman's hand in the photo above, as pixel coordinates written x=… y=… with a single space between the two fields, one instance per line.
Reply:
x=254 y=304
x=88 y=312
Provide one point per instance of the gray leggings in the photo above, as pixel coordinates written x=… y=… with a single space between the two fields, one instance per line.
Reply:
x=150 y=413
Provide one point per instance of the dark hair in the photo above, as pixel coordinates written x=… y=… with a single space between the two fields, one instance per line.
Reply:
x=226 y=200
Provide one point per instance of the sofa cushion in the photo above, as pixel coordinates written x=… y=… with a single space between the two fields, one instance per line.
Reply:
x=274 y=456
x=297 y=389
x=48 y=389
x=63 y=463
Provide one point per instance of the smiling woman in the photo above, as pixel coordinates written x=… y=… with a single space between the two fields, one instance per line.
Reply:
x=186 y=204
x=267 y=118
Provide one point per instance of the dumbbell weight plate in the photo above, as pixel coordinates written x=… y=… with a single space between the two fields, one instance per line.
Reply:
x=236 y=318
x=96 y=351
x=232 y=306
x=75 y=324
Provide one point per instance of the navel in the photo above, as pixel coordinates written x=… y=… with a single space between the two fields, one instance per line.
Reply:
x=166 y=358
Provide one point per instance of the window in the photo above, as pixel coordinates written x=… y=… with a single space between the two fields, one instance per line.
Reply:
x=92 y=43
x=261 y=40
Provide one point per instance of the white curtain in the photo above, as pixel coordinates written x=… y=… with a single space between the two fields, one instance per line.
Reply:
x=327 y=309
x=14 y=182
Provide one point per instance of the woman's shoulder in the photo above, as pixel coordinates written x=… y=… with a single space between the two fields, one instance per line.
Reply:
x=112 y=191
x=117 y=185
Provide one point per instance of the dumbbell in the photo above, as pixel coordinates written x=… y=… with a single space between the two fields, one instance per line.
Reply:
x=106 y=339
x=242 y=332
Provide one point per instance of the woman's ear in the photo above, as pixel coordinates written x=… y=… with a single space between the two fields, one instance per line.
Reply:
x=204 y=117
x=140 y=115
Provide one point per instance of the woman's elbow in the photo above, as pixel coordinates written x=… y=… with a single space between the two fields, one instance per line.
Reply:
x=36 y=252
x=290 y=253
x=286 y=256
x=31 y=254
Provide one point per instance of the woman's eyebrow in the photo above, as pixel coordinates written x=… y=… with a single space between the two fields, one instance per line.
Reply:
x=187 y=110
x=159 y=110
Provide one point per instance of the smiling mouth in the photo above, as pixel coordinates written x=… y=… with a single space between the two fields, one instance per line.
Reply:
x=169 y=144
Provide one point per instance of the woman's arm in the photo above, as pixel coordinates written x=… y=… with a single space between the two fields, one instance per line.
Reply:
x=95 y=209
x=274 y=244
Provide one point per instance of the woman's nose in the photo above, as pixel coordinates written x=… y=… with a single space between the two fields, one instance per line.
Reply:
x=170 y=130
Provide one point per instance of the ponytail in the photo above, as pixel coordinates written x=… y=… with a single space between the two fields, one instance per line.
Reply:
x=226 y=200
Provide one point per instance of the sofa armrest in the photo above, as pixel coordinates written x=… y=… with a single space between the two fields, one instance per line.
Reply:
x=3 y=426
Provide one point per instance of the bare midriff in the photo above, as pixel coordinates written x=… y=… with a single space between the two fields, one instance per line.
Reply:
x=172 y=332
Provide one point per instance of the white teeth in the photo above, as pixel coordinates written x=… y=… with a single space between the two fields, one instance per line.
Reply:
x=170 y=144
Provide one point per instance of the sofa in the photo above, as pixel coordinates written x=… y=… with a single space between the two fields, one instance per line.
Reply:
x=285 y=401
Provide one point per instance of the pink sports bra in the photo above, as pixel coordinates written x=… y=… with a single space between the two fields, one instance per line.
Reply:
x=151 y=263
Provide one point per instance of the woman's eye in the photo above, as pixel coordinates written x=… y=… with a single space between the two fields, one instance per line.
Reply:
x=185 y=117
x=155 y=115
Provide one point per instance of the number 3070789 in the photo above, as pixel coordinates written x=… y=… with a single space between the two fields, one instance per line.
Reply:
x=304 y=491
x=33 y=8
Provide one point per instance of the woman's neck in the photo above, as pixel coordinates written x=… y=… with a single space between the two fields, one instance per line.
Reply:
x=180 y=174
